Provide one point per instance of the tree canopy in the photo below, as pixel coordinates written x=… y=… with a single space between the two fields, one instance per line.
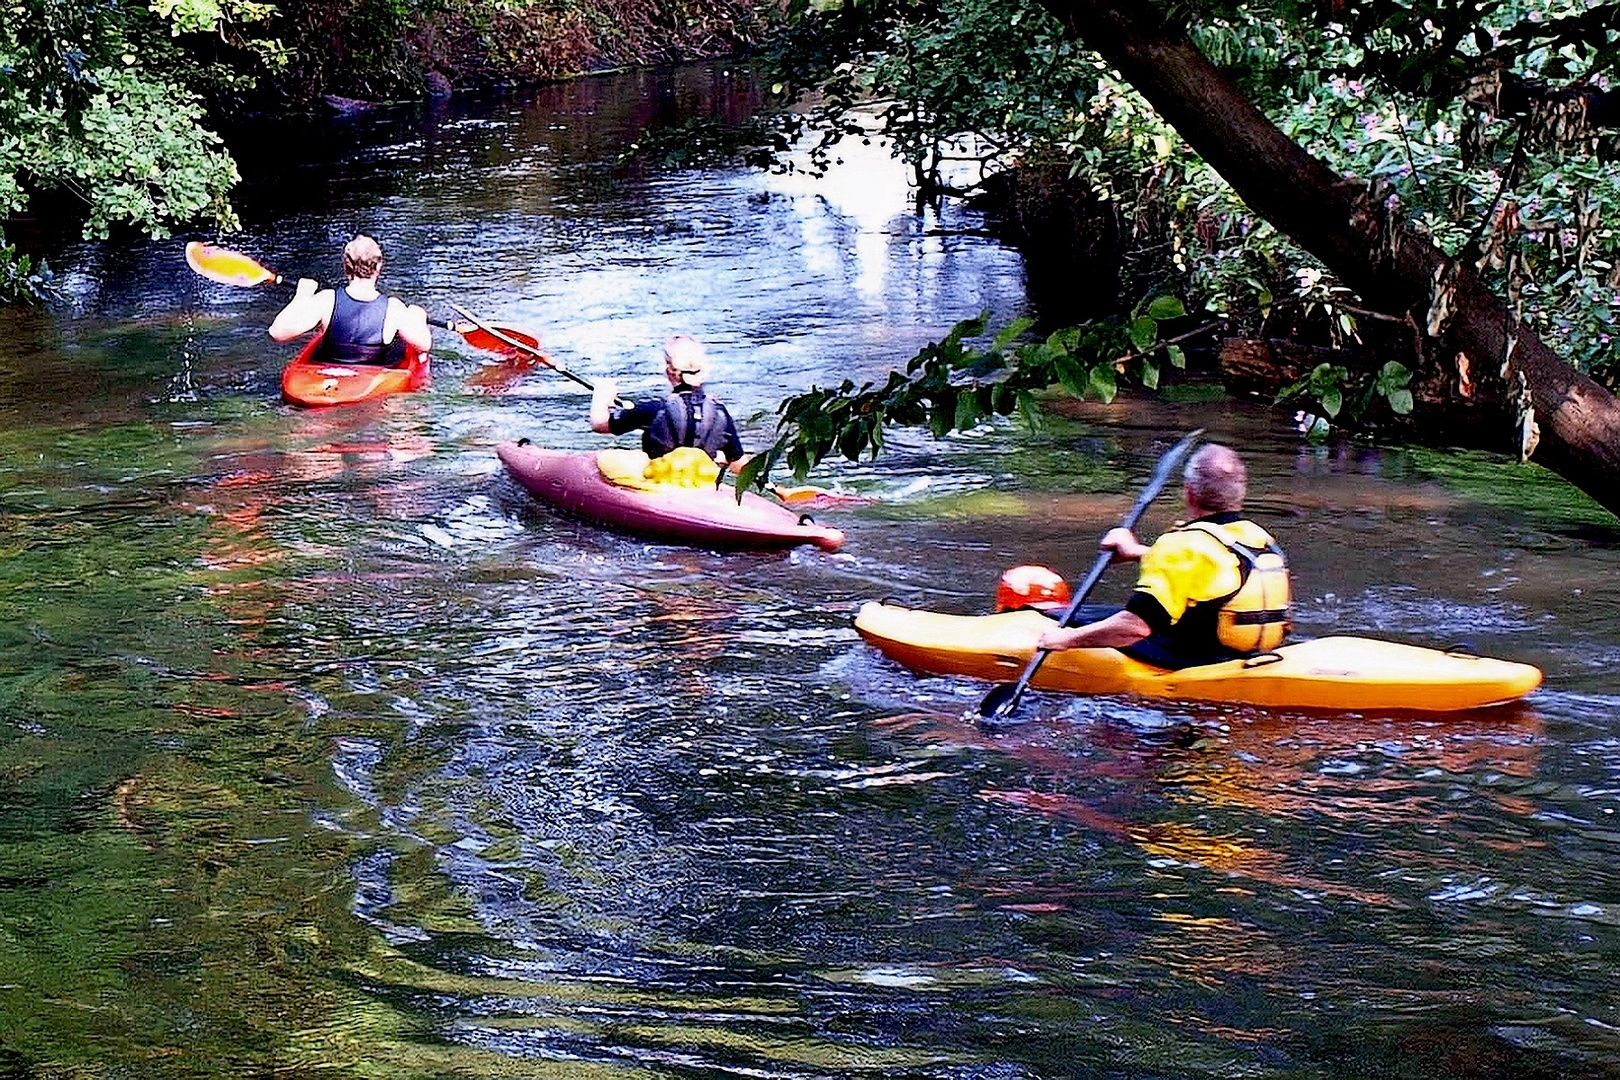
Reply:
x=1312 y=164
x=93 y=107
x=108 y=108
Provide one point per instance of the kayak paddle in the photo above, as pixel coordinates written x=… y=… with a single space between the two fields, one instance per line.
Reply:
x=999 y=703
x=512 y=340
x=791 y=496
x=234 y=268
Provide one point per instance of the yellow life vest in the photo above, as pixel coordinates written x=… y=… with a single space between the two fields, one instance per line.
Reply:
x=684 y=466
x=1255 y=617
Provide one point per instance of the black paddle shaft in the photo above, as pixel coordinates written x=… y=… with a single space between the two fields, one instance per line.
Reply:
x=1003 y=699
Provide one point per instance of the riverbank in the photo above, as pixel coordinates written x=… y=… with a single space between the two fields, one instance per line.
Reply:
x=402 y=49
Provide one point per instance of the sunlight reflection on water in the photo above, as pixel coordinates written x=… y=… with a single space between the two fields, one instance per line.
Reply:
x=580 y=801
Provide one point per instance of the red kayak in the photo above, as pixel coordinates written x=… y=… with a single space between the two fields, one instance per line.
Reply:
x=312 y=384
x=572 y=482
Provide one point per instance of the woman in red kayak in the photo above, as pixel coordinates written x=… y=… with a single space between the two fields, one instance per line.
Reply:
x=359 y=325
x=687 y=416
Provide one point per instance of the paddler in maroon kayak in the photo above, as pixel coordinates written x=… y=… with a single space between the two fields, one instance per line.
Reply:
x=1213 y=588
x=359 y=325
x=687 y=416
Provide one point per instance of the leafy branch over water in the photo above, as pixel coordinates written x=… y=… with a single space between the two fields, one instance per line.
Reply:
x=952 y=385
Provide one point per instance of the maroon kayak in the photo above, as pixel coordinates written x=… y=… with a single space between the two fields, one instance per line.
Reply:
x=572 y=482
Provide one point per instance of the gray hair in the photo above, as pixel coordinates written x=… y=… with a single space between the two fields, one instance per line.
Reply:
x=1217 y=480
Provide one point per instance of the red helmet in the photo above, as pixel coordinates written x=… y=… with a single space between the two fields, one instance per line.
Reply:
x=1031 y=586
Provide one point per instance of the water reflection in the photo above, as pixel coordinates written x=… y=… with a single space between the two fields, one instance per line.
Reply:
x=321 y=743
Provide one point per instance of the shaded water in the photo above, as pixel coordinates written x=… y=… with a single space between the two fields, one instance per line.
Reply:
x=323 y=751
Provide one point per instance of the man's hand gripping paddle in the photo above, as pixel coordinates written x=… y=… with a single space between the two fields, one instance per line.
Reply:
x=1000 y=702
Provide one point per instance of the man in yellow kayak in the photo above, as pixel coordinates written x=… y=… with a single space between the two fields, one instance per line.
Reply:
x=1210 y=589
x=687 y=416
x=359 y=324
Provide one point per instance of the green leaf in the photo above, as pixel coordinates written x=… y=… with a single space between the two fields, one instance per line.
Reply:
x=1102 y=382
x=1393 y=376
x=1332 y=401
x=1003 y=398
x=1177 y=357
x=1010 y=333
x=1029 y=411
x=1400 y=401
x=1144 y=332
x=1166 y=307
x=755 y=473
x=851 y=441
x=967 y=412
x=799 y=461
x=1073 y=377
x=1150 y=375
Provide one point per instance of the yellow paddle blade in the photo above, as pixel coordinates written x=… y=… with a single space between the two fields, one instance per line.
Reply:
x=225 y=266
x=819 y=498
x=795 y=496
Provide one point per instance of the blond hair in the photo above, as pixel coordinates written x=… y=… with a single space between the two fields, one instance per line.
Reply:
x=685 y=356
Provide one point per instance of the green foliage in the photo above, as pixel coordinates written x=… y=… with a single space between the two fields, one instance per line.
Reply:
x=1388 y=92
x=1391 y=384
x=1325 y=385
x=209 y=16
x=20 y=277
x=92 y=103
x=953 y=385
x=136 y=153
x=1330 y=386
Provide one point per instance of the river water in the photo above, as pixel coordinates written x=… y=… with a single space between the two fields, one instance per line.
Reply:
x=325 y=752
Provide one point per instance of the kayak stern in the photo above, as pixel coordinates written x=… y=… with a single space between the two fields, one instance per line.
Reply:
x=310 y=384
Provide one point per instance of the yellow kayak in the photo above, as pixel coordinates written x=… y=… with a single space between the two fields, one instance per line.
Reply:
x=1341 y=673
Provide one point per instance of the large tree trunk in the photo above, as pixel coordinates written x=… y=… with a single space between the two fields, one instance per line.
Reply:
x=1567 y=421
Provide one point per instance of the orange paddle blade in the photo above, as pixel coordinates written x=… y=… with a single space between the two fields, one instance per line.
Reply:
x=225 y=266
x=819 y=498
x=479 y=338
